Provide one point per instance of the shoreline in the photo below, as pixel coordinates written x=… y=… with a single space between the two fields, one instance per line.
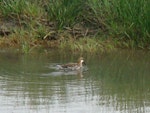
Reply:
x=77 y=25
x=81 y=45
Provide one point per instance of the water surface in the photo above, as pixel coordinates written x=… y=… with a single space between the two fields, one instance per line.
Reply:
x=116 y=82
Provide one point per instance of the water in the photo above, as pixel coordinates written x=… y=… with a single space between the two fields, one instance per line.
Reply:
x=115 y=82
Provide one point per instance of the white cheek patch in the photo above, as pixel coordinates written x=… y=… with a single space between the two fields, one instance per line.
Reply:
x=82 y=60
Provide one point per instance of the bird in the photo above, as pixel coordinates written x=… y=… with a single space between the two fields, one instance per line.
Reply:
x=72 y=66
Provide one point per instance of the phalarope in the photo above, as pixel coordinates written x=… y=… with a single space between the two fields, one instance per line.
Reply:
x=72 y=66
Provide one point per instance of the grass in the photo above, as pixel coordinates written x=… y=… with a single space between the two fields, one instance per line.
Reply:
x=122 y=23
x=92 y=45
x=64 y=12
x=124 y=18
x=133 y=16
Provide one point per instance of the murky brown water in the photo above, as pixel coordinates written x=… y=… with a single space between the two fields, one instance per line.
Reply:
x=117 y=82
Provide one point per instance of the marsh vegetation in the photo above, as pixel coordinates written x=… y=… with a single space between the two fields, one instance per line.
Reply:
x=94 y=25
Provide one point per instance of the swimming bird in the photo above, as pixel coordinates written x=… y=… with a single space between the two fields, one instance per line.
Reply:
x=72 y=66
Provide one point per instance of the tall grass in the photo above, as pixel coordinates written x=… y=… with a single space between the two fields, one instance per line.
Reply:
x=124 y=20
x=64 y=12
x=128 y=19
x=12 y=7
x=133 y=15
x=22 y=9
x=98 y=12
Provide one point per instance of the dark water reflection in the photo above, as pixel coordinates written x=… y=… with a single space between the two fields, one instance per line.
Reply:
x=116 y=82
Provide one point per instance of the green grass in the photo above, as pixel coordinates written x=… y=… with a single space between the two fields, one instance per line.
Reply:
x=133 y=16
x=64 y=13
x=125 y=18
x=126 y=21
x=20 y=9
x=93 y=45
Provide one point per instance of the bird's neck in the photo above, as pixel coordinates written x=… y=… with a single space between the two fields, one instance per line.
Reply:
x=80 y=64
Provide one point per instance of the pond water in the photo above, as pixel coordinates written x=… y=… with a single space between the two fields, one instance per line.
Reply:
x=117 y=82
